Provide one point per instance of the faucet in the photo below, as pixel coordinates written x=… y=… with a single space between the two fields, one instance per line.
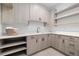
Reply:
x=38 y=29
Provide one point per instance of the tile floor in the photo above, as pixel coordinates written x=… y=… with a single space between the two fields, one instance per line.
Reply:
x=49 y=52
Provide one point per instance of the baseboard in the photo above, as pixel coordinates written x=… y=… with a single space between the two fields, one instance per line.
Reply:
x=39 y=51
x=59 y=51
x=47 y=48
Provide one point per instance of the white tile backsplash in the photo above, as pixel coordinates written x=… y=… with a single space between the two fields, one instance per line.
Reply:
x=29 y=28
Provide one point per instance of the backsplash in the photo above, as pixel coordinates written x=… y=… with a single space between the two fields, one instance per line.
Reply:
x=28 y=28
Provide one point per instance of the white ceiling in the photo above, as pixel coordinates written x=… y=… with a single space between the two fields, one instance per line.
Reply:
x=51 y=5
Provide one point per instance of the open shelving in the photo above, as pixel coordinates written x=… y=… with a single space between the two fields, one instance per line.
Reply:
x=68 y=15
x=13 y=51
x=13 y=46
x=68 y=8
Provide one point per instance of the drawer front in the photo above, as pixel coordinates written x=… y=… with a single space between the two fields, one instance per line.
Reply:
x=72 y=52
x=77 y=46
x=71 y=39
x=71 y=45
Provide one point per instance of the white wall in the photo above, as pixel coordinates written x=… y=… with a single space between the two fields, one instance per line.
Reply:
x=68 y=24
x=18 y=16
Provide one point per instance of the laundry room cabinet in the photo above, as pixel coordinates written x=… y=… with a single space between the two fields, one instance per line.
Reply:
x=36 y=43
x=38 y=13
x=77 y=45
x=66 y=44
x=70 y=46
x=55 y=41
x=58 y=42
x=43 y=42
x=32 y=44
x=49 y=39
x=21 y=13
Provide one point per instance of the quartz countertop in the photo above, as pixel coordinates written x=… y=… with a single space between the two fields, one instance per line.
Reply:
x=76 y=34
x=21 y=35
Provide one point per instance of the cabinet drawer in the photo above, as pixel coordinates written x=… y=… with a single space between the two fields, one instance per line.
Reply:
x=71 y=39
x=71 y=45
x=71 y=53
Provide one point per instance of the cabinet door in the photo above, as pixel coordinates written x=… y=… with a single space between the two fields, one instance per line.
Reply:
x=49 y=40
x=43 y=42
x=77 y=46
x=62 y=44
x=38 y=13
x=35 y=12
x=54 y=41
x=21 y=13
x=32 y=44
x=52 y=37
x=70 y=46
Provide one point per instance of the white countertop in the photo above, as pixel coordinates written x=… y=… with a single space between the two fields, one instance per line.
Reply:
x=20 y=35
x=76 y=34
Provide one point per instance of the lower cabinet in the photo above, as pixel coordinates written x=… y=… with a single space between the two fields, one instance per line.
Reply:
x=36 y=43
x=54 y=41
x=49 y=40
x=70 y=46
x=77 y=46
x=32 y=44
x=61 y=44
x=43 y=42
x=66 y=44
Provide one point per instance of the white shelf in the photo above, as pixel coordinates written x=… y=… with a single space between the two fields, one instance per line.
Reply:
x=22 y=55
x=67 y=15
x=12 y=44
x=68 y=8
x=13 y=51
x=67 y=23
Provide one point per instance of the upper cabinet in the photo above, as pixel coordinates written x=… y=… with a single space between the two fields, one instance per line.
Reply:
x=21 y=13
x=7 y=13
x=38 y=13
x=8 y=5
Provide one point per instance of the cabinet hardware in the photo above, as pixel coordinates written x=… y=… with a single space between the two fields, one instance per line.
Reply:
x=63 y=41
x=32 y=37
x=43 y=39
x=71 y=53
x=71 y=44
x=48 y=35
x=36 y=40
x=40 y=18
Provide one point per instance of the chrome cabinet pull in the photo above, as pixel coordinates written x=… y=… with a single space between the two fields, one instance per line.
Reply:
x=63 y=41
x=36 y=40
x=71 y=44
x=32 y=37
x=71 y=53
x=43 y=39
